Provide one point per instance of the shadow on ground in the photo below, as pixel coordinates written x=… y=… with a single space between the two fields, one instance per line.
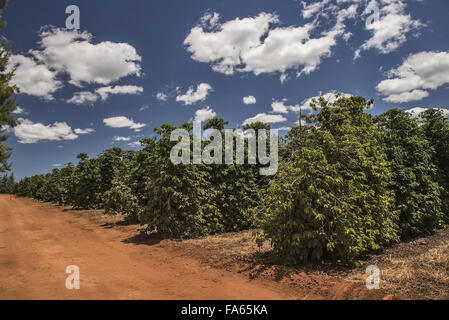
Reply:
x=144 y=239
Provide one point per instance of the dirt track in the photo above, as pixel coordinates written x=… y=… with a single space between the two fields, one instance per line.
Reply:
x=38 y=242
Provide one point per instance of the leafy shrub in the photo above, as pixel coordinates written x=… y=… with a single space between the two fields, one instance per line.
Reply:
x=120 y=199
x=179 y=197
x=417 y=194
x=329 y=199
x=436 y=129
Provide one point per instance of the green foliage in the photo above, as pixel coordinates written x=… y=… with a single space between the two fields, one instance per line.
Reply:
x=417 y=193
x=87 y=183
x=329 y=199
x=347 y=184
x=436 y=129
x=7 y=100
x=6 y=183
x=120 y=199
x=179 y=202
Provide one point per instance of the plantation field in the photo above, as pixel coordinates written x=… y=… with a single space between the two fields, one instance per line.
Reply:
x=38 y=241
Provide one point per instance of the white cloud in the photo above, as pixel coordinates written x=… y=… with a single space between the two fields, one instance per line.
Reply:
x=204 y=114
x=84 y=97
x=29 y=132
x=415 y=112
x=391 y=30
x=84 y=131
x=303 y=122
x=192 y=96
x=347 y=36
x=309 y=10
x=104 y=92
x=284 y=128
x=417 y=75
x=19 y=110
x=72 y=53
x=279 y=106
x=122 y=138
x=330 y=96
x=161 y=96
x=252 y=45
x=249 y=100
x=33 y=78
x=123 y=122
x=65 y=52
x=265 y=118
x=134 y=144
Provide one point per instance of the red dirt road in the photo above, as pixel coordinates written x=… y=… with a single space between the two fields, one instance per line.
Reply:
x=37 y=244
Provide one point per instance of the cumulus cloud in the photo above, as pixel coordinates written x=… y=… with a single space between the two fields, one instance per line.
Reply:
x=417 y=75
x=84 y=131
x=33 y=78
x=72 y=52
x=123 y=122
x=29 y=132
x=122 y=138
x=279 y=106
x=134 y=144
x=265 y=118
x=254 y=44
x=83 y=97
x=249 y=100
x=284 y=128
x=105 y=92
x=415 y=112
x=192 y=96
x=391 y=30
x=19 y=110
x=161 y=96
x=204 y=114
x=310 y=10
x=330 y=96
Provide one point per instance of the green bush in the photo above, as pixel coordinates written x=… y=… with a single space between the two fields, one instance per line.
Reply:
x=120 y=199
x=330 y=198
x=417 y=194
x=436 y=129
x=179 y=197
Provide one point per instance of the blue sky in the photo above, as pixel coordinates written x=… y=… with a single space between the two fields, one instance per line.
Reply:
x=146 y=55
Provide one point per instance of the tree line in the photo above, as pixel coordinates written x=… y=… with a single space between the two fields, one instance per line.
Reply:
x=348 y=182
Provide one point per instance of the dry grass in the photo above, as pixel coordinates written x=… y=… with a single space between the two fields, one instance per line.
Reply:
x=416 y=270
x=234 y=244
